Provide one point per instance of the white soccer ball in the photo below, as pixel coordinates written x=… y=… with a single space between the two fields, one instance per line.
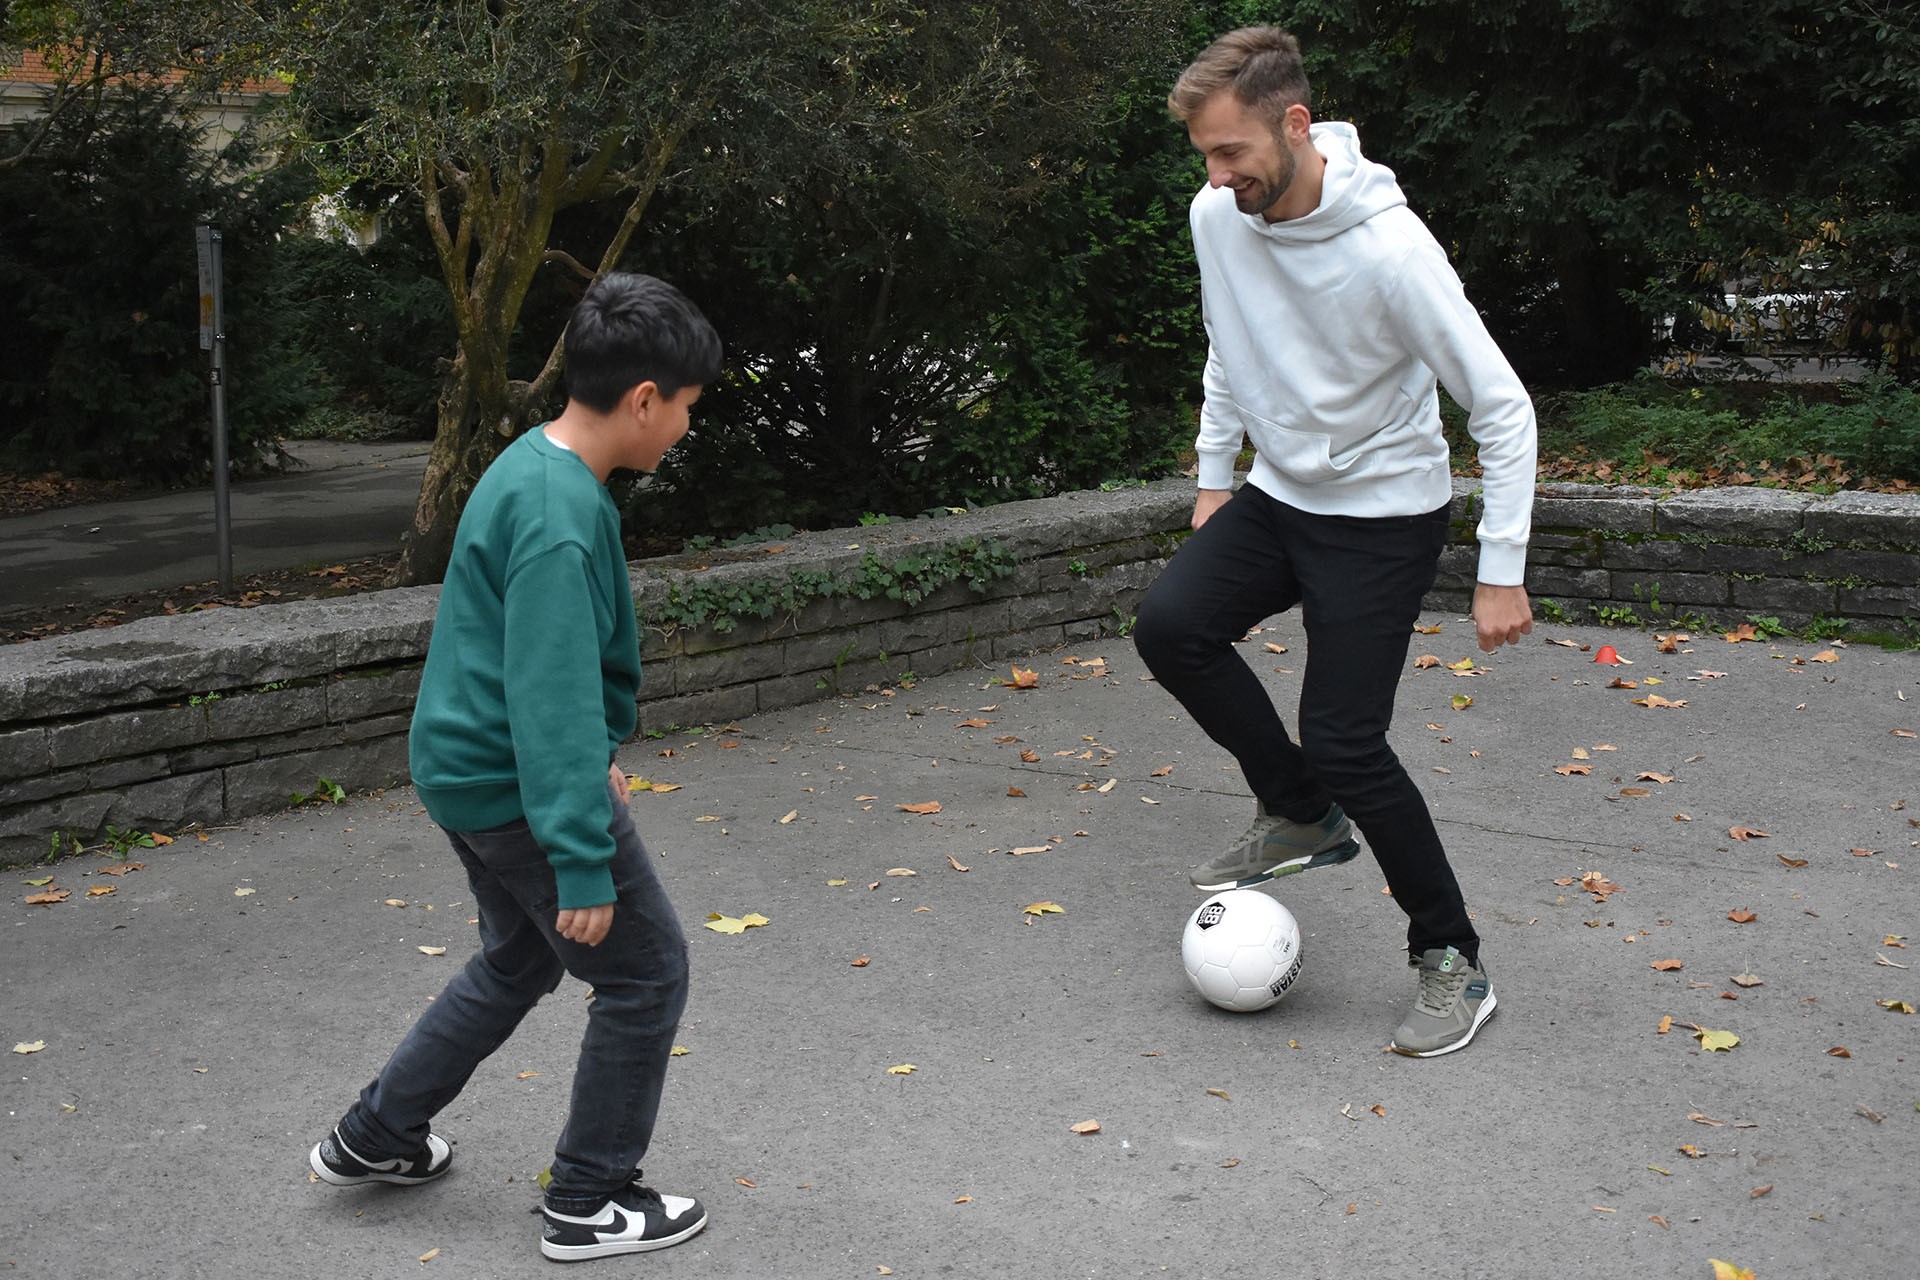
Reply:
x=1242 y=950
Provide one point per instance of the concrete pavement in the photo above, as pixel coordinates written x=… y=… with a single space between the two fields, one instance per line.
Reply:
x=343 y=502
x=205 y=1021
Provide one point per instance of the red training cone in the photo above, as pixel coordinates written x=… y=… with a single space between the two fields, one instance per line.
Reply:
x=1609 y=655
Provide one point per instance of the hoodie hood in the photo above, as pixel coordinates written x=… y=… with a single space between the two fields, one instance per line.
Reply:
x=1352 y=190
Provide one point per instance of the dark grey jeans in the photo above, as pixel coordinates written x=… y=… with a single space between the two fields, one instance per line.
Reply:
x=639 y=980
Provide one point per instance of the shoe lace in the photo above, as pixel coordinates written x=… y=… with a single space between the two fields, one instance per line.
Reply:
x=1438 y=991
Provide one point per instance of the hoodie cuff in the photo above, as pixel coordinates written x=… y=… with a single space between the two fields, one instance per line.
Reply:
x=1215 y=470
x=1502 y=564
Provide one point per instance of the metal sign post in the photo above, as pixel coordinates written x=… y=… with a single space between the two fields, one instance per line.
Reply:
x=213 y=338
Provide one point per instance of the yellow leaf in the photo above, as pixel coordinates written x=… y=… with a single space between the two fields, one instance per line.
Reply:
x=678 y=1051
x=1461 y=702
x=904 y=1069
x=42 y=882
x=30 y=1046
x=1898 y=1006
x=1085 y=1126
x=730 y=924
x=241 y=893
x=1715 y=1041
x=1465 y=664
x=431 y=951
x=1043 y=908
x=1727 y=1271
x=835 y=883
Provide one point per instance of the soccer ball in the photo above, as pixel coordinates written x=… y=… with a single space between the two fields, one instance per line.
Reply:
x=1242 y=950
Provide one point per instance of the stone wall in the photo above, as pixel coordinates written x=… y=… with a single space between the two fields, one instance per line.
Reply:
x=210 y=717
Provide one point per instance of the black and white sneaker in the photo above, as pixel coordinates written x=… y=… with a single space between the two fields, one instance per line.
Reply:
x=335 y=1162
x=634 y=1220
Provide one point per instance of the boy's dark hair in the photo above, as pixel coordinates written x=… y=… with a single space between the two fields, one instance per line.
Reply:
x=631 y=329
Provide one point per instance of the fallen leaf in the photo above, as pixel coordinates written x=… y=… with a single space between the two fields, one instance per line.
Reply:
x=1746 y=980
x=1897 y=940
x=1029 y=756
x=956 y=864
x=242 y=893
x=1715 y=1041
x=1825 y=655
x=1043 y=908
x=860 y=962
x=1898 y=1006
x=30 y=1046
x=430 y=1255
x=1022 y=678
x=1740 y=915
x=1618 y=683
x=1745 y=631
x=1656 y=1218
x=99 y=891
x=1461 y=701
x=902 y=872
x=1746 y=833
x=1666 y=1025
x=1649 y=776
x=926 y=806
x=1378 y=1110
x=835 y=883
x=1791 y=862
x=1634 y=792
x=730 y=924
x=1726 y=1270
x=117 y=869
x=1757 y=1192
x=791 y=814
x=903 y=1069
x=1271 y=647
x=1839 y=1051
x=1655 y=700
x=1465 y=664
x=1220 y=1094
x=1016 y=793
x=1669 y=966
x=749 y=1183
x=1573 y=770
x=526 y=1075
x=678 y=1051
x=1025 y=849
x=431 y=951
x=1107 y=786
x=1085 y=1126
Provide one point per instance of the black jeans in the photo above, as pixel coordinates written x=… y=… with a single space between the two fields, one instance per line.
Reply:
x=1359 y=584
x=639 y=980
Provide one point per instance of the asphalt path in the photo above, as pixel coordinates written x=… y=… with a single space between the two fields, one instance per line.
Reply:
x=205 y=1021
x=342 y=502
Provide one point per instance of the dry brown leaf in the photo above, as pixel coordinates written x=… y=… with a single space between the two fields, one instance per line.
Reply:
x=1666 y=1025
x=47 y=899
x=1791 y=862
x=1163 y=771
x=1740 y=915
x=791 y=814
x=975 y=723
x=1085 y=1126
x=121 y=868
x=1220 y=1094
x=1745 y=980
x=1426 y=661
x=859 y=962
x=956 y=864
x=903 y=871
x=1746 y=833
x=1029 y=756
x=99 y=891
x=925 y=806
x=1573 y=770
x=1669 y=966
x=1016 y=793
x=1839 y=1051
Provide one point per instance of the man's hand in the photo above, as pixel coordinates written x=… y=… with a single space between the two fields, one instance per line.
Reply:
x=1209 y=501
x=586 y=925
x=1501 y=615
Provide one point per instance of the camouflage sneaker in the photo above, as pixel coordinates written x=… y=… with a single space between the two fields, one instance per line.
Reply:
x=1453 y=1000
x=1277 y=846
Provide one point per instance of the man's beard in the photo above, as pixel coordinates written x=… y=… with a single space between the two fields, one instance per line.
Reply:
x=1263 y=195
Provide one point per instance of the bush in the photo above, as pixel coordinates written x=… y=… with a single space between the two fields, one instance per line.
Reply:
x=102 y=374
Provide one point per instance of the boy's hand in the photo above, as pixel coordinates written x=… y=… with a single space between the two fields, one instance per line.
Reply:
x=585 y=925
x=1501 y=615
x=618 y=779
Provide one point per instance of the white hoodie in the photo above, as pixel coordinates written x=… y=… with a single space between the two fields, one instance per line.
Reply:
x=1326 y=334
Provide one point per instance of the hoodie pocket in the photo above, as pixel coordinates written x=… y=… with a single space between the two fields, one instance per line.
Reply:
x=1305 y=457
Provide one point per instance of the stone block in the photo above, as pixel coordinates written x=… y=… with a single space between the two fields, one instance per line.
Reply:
x=104 y=737
x=1590 y=508
x=719 y=667
x=716 y=706
x=165 y=804
x=1734 y=515
x=1026 y=642
x=23 y=752
x=1668 y=589
x=359 y=696
x=1689 y=555
x=1580 y=584
x=821 y=650
x=1776 y=595
x=1880 y=601
x=43 y=786
x=249 y=715
x=1887 y=520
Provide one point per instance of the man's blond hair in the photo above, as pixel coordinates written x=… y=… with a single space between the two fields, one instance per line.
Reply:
x=1260 y=66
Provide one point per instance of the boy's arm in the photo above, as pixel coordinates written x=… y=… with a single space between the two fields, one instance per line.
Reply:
x=557 y=714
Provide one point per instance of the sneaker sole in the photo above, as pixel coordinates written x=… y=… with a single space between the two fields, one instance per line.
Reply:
x=613 y=1248
x=1487 y=1007
x=338 y=1179
x=1333 y=857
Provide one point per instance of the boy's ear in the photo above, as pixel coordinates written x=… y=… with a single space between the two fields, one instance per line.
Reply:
x=641 y=397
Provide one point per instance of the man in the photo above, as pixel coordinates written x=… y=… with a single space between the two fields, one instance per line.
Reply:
x=1331 y=314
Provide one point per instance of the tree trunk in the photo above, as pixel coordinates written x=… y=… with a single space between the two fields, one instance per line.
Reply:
x=478 y=419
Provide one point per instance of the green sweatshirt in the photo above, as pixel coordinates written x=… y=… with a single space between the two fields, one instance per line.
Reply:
x=534 y=665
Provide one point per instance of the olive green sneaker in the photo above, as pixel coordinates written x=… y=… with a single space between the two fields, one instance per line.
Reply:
x=1453 y=1000
x=1275 y=846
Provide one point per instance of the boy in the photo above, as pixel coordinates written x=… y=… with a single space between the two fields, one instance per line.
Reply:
x=528 y=691
x=1331 y=314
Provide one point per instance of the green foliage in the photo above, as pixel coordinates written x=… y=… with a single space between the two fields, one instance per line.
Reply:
x=909 y=578
x=101 y=373
x=1552 y=611
x=1819 y=436
x=324 y=789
